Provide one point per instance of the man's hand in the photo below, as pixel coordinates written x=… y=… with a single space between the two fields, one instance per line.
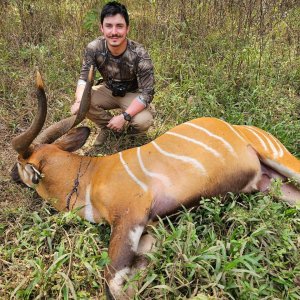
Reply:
x=75 y=108
x=116 y=123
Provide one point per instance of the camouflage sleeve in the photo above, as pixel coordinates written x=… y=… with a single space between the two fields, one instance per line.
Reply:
x=88 y=60
x=145 y=78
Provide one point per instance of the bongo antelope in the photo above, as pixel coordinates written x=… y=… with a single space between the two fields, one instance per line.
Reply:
x=204 y=157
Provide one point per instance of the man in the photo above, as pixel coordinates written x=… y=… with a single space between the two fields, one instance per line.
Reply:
x=127 y=71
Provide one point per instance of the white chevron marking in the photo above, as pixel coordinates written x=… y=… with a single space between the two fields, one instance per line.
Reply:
x=88 y=209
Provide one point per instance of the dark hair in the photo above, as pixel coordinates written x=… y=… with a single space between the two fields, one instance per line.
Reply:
x=113 y=8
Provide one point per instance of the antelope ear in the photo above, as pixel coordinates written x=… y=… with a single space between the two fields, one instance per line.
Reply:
x=74 y=139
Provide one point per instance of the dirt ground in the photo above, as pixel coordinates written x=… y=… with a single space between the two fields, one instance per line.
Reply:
x=10 y=194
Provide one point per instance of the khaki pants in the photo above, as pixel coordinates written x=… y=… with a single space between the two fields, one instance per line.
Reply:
x=102 y=101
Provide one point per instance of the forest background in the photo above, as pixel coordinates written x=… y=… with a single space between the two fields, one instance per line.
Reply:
x=231 y=59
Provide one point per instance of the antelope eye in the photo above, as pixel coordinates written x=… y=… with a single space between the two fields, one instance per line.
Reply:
x=36 y=178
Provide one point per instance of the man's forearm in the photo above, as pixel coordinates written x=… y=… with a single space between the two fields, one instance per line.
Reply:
x=135 y=107
x=78 y=96
x=79 y=92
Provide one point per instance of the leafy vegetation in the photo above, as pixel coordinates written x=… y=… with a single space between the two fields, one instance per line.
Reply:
x=236 y=60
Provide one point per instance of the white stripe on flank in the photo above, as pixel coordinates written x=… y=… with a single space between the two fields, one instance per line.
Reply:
x=227 y=144
x=233 y=130
x=165 y=180
x=275 y=152
x=88 y=210
x=279 y=145
x=185 y=159
x=134 y=178
x=258 y=137
x=209 y=149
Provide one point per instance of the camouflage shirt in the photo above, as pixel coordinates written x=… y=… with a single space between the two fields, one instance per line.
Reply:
x=133 y=65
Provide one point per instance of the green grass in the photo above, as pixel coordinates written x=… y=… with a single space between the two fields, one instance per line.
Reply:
x=235 y=62
x=238 y=248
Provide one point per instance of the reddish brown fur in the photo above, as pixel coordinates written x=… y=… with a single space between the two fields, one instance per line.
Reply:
x=202 y=158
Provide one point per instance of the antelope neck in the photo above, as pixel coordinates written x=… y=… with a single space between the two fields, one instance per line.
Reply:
x=76 y=184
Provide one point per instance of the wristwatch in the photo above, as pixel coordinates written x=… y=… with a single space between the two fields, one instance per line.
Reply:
x=126 y=116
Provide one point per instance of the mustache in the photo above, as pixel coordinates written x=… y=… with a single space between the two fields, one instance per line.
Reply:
x=115 y=35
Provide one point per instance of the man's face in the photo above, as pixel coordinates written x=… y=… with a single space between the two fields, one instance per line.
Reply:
x=115 y=30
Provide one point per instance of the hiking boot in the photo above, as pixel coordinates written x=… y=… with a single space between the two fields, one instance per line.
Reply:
x=101 y=137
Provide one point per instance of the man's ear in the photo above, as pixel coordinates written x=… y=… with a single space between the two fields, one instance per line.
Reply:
x=74 y=139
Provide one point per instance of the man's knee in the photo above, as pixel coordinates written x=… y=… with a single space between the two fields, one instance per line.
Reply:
x=142 y=121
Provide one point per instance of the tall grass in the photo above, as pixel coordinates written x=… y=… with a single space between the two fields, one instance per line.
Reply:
x=236 y=60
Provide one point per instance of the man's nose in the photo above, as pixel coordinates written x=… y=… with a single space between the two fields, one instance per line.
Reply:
x=114 y=29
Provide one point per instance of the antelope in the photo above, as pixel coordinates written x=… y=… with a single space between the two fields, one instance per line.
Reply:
x=204 y=157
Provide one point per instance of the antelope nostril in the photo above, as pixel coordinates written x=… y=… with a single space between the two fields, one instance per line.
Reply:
x=14 y=174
